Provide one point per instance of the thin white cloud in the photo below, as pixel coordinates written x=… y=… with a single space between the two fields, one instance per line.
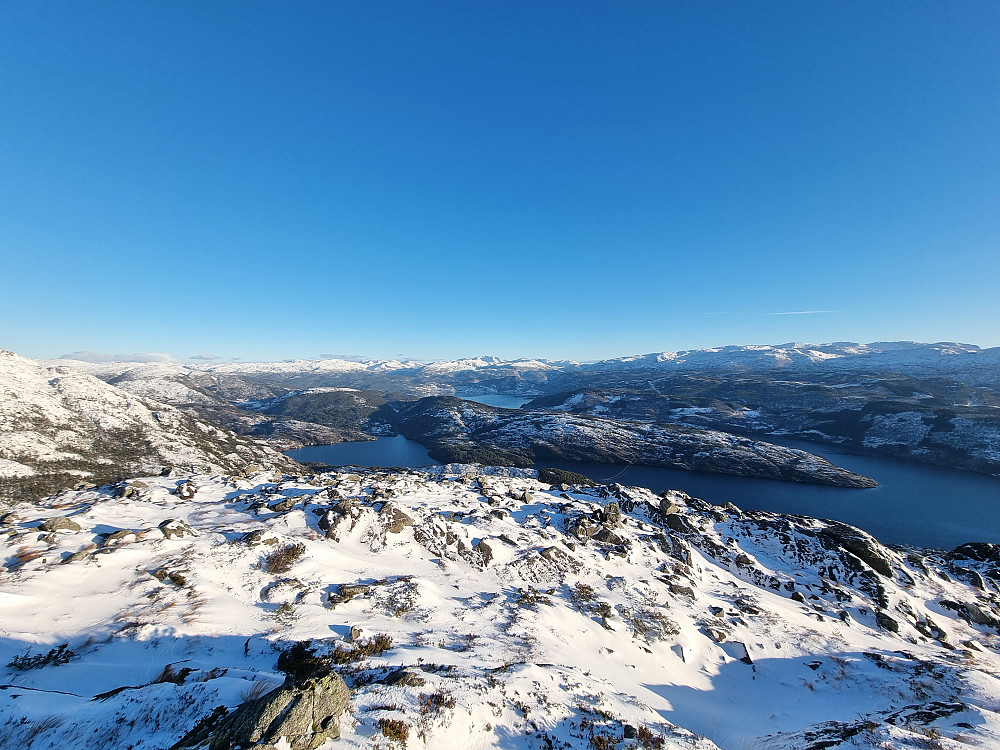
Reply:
x=806 y=312
x=207 y=357
x=100 y=357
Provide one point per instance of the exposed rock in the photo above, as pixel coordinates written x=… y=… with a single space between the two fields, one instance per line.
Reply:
x=76 y=556
x=678 y=590
x=257 y=536
x=250 y=469
x=131 y=489
x=186 y=490
x=886 y=622
x=485 y=550
x=306 y=715
x=679 y=523
x=395 y=519
x=668 y=506
x=611 y=516
x=284 y=505
x=553 y=554
x=979 y=616
x=977 y=551
x=717 y=634
x=59 y=523
x=175 y=528
x=117 y=536
x=403 y=678
x=863 y=546
x=346 y=592
x=607 y=536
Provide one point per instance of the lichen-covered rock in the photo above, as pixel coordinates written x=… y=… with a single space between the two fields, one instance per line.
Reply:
x=118 y=537
x=76 y=556
x=668 y=506
x=60 y=523
x=130 y=489
x=395 y=519
x=583 y=529
x=250 y=469
x=282 y=505
x=306 y=715
x=175 y=528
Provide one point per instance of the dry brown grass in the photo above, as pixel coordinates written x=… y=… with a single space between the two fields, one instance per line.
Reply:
x=282 y=559
x=395 y=729
x=23 y=555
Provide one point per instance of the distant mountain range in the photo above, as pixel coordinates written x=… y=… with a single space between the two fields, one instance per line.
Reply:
x=967 y=362
x=935 y=403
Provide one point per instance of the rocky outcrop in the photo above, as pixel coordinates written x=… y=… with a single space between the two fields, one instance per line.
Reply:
x=860 y=544
x=59 y=523
x=305 y=715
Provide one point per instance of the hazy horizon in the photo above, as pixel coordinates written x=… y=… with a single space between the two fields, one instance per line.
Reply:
x=154 y=357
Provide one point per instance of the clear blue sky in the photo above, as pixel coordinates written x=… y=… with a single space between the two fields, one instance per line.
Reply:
x=270 y=180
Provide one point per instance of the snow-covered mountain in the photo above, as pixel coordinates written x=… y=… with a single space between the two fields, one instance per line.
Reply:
x=965 y=362
x=59 y=425
x=487 y=612
x=245 y=381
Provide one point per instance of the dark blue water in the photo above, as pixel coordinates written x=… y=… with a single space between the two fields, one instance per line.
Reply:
x=916 y=504
x=385 y=451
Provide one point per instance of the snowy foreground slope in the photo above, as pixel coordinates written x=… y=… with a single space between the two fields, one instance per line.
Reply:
x=520 y=616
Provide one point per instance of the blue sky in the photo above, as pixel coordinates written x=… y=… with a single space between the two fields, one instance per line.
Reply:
x=272 y=180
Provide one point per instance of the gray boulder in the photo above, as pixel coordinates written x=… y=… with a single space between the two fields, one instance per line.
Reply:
x=607 y=536
x=283 y=505
x=60 y=523
x=306 y=714
x=611 y=516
